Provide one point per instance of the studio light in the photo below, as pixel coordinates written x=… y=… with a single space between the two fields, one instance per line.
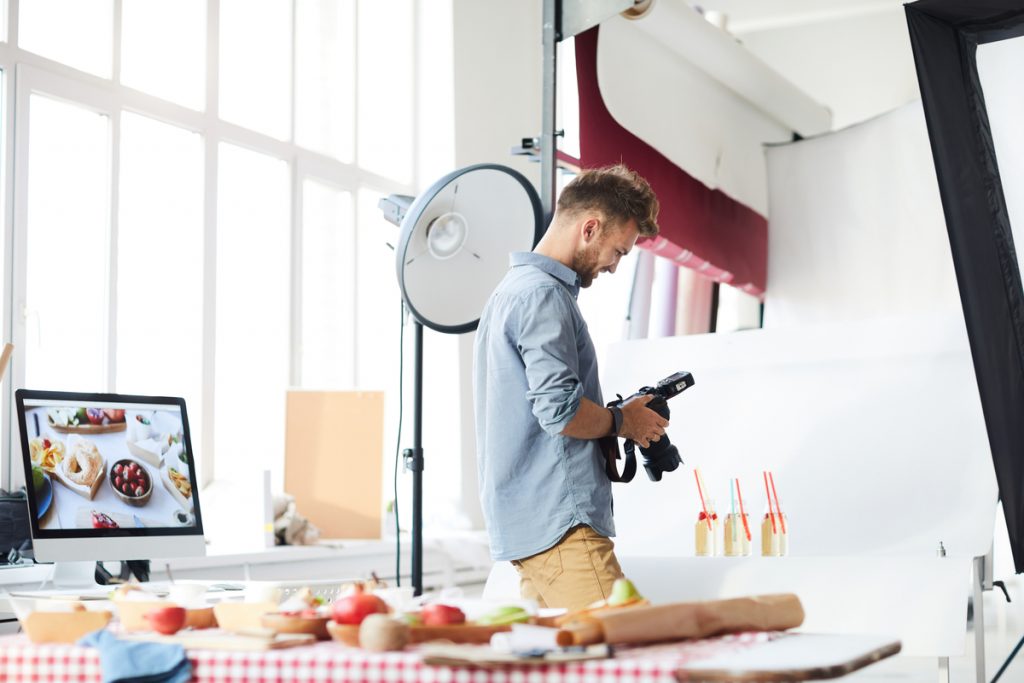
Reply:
x=453 y=250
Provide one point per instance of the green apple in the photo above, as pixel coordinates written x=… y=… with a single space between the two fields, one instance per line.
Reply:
x=412 y=619
x=623 y=591
x=511 y=614
x=37 y=478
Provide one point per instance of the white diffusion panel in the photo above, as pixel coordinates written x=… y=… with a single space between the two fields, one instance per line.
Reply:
x=874 y=431
x=999 y=71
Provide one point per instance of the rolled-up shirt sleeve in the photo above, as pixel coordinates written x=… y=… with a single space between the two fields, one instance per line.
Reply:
x=546 y=337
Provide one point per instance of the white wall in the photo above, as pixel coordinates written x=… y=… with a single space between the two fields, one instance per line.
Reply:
x=497 y=102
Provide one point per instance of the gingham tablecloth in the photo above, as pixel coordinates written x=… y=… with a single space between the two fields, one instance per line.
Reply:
x=22 y=661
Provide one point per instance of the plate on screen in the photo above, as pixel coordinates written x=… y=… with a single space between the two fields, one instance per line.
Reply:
x=44 y=497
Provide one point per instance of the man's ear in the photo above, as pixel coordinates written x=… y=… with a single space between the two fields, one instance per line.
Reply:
x=589 y=229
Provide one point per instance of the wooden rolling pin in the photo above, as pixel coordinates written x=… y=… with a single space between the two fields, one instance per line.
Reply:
x=684 y=620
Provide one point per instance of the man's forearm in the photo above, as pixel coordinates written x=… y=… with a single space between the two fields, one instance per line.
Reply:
x=591 y=421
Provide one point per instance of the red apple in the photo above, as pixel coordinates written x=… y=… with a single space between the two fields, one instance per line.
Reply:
x=442 y=615
x=166 y=620
x=115 y=414
x=95 y=415
x=356 y=606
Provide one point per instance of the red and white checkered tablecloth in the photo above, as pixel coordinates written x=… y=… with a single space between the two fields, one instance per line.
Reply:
x=22 y=661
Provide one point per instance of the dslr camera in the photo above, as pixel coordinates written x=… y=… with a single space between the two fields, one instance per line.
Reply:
x=660 y=456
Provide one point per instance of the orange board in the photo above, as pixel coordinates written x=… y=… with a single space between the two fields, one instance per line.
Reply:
x=334 y=444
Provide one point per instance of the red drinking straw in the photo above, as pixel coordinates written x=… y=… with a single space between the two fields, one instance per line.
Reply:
x=743 y=515
x=768 y=493
x=778 y=507
x=705 y=507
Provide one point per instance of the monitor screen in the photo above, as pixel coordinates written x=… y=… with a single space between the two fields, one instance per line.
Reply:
x=109 y=476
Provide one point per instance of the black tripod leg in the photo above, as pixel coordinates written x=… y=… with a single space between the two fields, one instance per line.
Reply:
x=1020 y=643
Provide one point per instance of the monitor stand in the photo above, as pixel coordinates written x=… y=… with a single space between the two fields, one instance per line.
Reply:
x=72 y=576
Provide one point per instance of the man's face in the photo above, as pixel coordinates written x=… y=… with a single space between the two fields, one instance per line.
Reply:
x=601 y=253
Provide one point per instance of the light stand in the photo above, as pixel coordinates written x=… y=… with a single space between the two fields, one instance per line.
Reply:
x=414 y=459
x=455 y=241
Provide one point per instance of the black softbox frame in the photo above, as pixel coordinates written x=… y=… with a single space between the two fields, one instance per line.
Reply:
x=945 y=35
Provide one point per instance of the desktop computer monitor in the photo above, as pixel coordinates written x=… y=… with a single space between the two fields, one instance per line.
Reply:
x=110 y=477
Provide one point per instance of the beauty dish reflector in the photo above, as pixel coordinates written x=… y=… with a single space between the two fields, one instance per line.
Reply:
x=456 y=239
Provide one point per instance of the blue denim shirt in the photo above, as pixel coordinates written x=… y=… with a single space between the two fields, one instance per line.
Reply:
x=534 y=361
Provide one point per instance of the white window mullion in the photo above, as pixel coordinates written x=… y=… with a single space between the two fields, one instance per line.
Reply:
x=9 y=445
x=295 y=344
x=414 y=122
x=115 y=194
x=211 y=141
x=18 y=257
x=13 y=10
x=115 y=74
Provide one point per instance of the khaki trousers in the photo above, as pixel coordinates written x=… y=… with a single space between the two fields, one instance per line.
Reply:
x=576 y=571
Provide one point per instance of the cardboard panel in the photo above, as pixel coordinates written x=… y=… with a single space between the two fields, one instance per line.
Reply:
x=334 y=443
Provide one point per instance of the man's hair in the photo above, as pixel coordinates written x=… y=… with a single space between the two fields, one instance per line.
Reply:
x=615 y=191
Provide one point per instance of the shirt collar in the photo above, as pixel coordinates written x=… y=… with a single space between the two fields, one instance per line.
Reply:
x=550 y=266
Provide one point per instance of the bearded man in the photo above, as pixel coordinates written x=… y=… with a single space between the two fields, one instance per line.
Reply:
x=539 y=411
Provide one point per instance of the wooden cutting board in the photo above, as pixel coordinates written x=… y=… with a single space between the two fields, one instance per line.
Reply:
x=486 y=657
x=88 y=428
x=213 y=639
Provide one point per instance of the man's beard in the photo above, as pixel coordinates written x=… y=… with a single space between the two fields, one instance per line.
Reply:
x=584 y=262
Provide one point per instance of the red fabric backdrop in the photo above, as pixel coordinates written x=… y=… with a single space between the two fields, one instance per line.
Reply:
x=701 y=228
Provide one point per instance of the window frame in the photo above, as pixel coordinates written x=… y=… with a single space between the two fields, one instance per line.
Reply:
x=25 y=73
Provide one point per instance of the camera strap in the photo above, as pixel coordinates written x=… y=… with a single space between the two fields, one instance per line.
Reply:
x=610 y=449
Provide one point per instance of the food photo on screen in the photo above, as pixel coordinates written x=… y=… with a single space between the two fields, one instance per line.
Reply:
x=102 y=467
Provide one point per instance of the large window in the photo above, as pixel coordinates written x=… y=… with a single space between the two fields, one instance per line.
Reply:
x=192 y=189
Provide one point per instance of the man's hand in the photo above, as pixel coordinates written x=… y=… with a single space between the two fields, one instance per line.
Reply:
x=640 y=423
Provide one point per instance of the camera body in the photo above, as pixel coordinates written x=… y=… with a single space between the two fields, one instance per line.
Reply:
x=660 y=456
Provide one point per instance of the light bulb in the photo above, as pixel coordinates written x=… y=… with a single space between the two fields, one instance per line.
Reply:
x=446 y=234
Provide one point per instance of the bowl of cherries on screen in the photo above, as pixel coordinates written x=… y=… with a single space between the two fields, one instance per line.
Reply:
x=131 y=482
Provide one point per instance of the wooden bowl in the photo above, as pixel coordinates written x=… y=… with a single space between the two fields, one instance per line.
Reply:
x=467 y=634
x=63 y=627
x=242 y=616
x=344 y=633
x=137 y=501
x=281 y=623
x=473 y=634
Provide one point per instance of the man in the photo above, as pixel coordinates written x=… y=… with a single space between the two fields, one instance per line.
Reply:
x=539 y=410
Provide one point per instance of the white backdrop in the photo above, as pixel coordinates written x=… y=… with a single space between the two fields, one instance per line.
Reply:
x=700 y=125
x=860 y=395
x=873 y=429
x=856 y=229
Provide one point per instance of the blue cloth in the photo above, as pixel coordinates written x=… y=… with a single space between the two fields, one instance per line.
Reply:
x=534 y=361
x=126 y=660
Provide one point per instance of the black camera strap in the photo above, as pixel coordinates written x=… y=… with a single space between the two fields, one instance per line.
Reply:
x=610 y=448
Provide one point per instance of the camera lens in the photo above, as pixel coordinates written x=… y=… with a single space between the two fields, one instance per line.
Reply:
x=660 y=457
